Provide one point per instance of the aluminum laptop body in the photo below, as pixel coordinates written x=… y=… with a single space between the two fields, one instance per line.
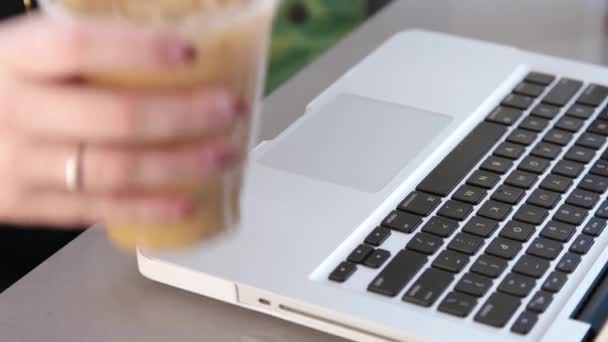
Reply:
x=364 y=145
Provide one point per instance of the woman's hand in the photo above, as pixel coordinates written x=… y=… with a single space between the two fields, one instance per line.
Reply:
x=46 y=111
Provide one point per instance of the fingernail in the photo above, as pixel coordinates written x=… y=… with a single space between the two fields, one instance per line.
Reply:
x=181 y=53
x=185 y=208
x=242 y=108
x=224 y=157
x=225 y=108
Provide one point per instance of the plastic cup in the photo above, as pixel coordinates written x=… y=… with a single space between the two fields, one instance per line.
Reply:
x=231 y=38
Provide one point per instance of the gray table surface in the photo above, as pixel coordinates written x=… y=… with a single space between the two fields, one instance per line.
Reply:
x=90 y=292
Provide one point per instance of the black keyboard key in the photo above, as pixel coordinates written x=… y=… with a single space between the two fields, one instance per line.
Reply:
x=592 y=141
x=424 y=243
x=534 y=165
x=569 y=214
x=522 y=137
x=581 y=244
x=568 y=123
x=474 y=285
x=604 y=155
x=544 y=198
x=488 y=265
x=402 y=222
x=494 y=210
x=594 y=227
x=427 y=289
x=497 y=165
x=600 y=168
x=483 y=179
x=531 y=214
x=503 y=248
x=562 y=92
x=524 y=323
x=440 y=226
x=602 y=211
x=341 y=273
x=521 y=179
x=593 y=95
x=545 y=248
x=555 y=281
x=451 y=261
x=360 y=253
x=580 y=154
x=397 y=273
x=469 y=194
x=531 y=266
x=508 y=194
x=580 y=111
x=419 y=203
x=457 y=304
x=556 y=183
x=455 y=210
x=599 y=127
x=603 y=115
x=594 y=183
x=557 y=136
x=540 y=78
x=540 y=302
x=583 y=199
x=377 y=236
x=517 y=231
x=465 y=243
x=568 y=263
x=377 y=258
x=497 y=310
x=457 y=164
x=568 y=169
x=505 y=115
x=545 y=111
x=558 y=231
x=517 y=101
x=517 y=285
x=534 y=124
x=509 y=150
x=480 y=226
x=529 y=89
x=546 y=150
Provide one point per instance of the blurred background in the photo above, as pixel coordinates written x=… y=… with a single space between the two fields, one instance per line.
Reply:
x=304 y=29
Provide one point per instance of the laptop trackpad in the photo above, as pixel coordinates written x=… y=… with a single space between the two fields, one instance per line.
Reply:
x=355 y=142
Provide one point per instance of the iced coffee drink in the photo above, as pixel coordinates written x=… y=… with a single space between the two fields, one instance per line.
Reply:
x=231 y=38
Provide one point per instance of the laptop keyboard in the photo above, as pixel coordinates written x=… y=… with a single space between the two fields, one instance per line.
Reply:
x=506 y=201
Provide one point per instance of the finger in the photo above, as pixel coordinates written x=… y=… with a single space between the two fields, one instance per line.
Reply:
x=73 y=113
x=41 y=46
x=70 y=210
x=124 y=169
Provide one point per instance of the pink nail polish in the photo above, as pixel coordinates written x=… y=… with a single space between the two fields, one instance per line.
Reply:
x=225 y=110
x=224 y=157
x=189 y=53
x=181 y=53
x=241 y=107
x=186 y=208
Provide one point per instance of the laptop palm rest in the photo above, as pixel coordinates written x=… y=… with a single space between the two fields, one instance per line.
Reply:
x=345 y=142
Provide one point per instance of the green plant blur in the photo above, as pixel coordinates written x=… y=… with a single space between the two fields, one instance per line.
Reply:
x=306 y=28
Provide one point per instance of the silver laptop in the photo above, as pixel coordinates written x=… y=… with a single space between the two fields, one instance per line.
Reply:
x=443 y=189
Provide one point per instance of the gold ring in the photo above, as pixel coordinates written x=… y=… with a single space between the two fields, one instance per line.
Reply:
x=73 y=170
x=28 y=5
